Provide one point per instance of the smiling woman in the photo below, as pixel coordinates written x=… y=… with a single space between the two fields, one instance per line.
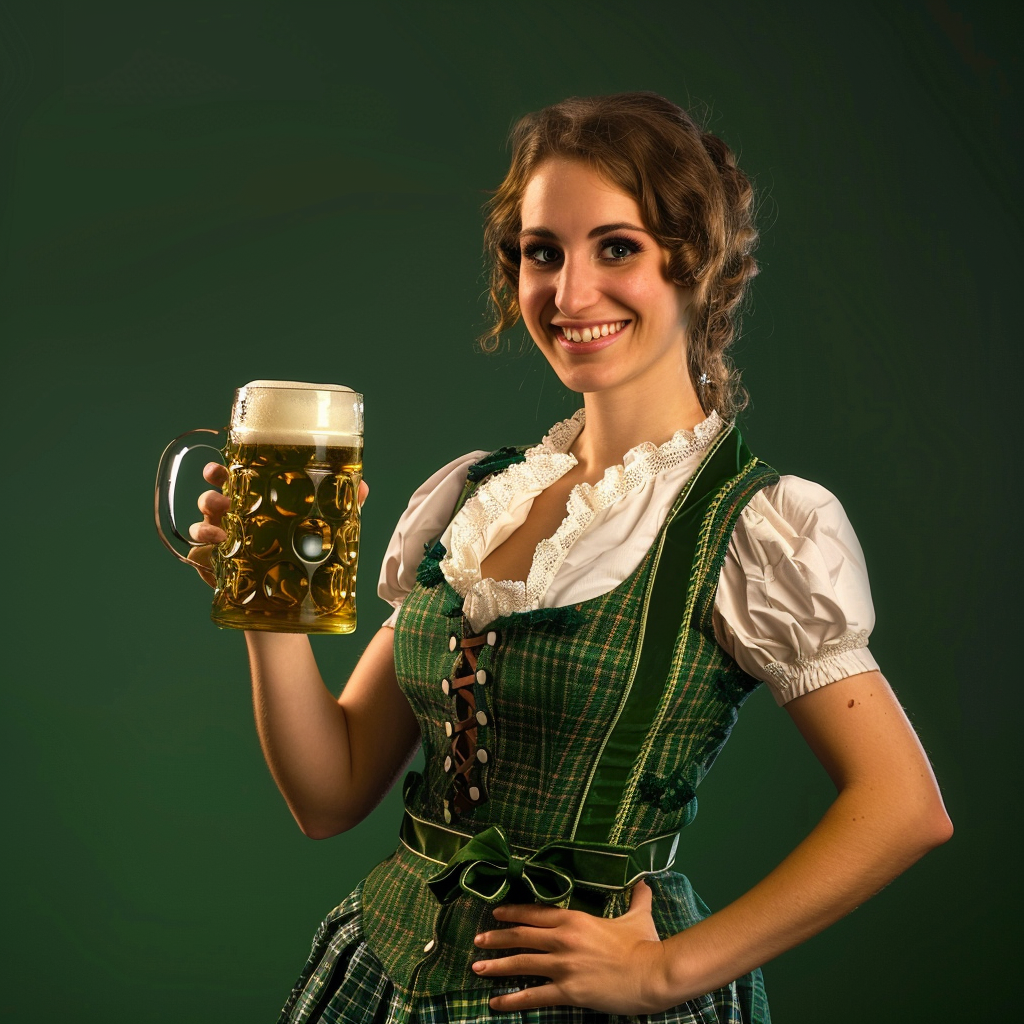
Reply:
x=590 y=614
x=688 y=197
x=595 y=293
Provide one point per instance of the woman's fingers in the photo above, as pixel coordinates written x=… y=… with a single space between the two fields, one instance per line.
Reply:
x=534 y=913
x=532 y=998
x=641 y=898
x=511 y=938
x=215 y=473
x=206 y=533
x=213 y=505
x=522 y=963
x=202 y=559
x=364 y=490
x=615 y=965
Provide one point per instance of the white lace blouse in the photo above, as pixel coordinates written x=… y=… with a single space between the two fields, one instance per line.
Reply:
x=793 y=606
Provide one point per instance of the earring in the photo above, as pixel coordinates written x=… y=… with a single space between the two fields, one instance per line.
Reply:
x=704 y=380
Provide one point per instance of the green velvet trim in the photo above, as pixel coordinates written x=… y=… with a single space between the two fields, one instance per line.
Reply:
x=429 y=574
x=495 y=461
x=668 y=794
x=666 y=605
x=736 y=686
x=566 y=619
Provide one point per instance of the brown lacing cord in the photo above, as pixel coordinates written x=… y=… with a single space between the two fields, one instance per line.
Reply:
x=466 y=753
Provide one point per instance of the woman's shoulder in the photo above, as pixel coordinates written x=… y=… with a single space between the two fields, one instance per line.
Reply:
x=800 y=504
x=451 y=474
x=800 y=528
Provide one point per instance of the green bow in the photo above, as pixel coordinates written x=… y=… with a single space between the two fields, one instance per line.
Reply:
x=486 y=867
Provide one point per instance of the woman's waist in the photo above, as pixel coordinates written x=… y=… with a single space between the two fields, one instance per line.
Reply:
x=493 y=864
x=424 y=904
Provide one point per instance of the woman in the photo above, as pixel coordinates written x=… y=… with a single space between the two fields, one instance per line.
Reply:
x=589 y=615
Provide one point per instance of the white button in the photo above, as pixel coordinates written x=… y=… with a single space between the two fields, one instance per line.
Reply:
x=447 y=728
x=474 y=793
x=481 y=756
x=447 y=816
x=481 y=717
x=452 y=642
x=429 y=946
x=481 y=676
x=492 y=638
x=445 y=687
x=448 y=763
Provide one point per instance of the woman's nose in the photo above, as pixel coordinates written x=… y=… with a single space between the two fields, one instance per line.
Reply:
x=577 y=288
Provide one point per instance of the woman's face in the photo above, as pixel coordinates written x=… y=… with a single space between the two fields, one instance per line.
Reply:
x=593 y=286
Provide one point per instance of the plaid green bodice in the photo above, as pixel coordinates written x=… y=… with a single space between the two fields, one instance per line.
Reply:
x=597 y=723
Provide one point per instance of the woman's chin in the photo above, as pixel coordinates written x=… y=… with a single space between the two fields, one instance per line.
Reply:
x=583 y=381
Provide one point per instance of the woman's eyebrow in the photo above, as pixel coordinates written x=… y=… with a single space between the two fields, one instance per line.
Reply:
x=601 y=229
x=605 y=228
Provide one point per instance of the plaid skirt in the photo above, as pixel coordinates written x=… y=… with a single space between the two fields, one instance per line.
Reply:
x=344 y=983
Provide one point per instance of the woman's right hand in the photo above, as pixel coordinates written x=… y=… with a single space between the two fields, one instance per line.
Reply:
x=213 y=505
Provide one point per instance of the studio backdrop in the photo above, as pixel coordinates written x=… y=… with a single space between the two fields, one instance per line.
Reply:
x=196 y=195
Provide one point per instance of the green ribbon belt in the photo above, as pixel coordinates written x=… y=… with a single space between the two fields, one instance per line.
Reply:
x=562 y=873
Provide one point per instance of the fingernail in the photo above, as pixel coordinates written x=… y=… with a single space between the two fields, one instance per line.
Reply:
x=479 y=965
x=478 y=939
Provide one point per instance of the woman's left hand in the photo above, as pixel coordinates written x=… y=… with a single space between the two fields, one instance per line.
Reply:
x=615 y=965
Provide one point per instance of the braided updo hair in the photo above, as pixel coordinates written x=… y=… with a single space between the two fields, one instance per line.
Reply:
x=695 y=201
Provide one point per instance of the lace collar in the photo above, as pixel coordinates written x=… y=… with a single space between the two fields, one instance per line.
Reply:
x=505 y=493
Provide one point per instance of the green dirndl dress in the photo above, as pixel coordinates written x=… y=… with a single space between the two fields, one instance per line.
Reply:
x=562 y=750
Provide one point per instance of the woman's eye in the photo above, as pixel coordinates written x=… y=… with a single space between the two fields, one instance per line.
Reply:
x=617 y=251
x=540 y=253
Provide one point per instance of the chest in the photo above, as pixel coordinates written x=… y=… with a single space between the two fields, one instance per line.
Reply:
x=513 y=558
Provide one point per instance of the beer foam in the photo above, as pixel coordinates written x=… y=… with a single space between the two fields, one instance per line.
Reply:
x=296 y=385
x=297 y=412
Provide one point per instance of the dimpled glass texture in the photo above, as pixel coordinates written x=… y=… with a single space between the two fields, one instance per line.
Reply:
x=290 y=557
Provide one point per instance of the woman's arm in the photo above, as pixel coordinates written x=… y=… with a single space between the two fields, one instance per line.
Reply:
x=332 y=760
x=887 y=814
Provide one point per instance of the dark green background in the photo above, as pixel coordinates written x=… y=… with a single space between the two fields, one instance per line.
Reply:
x=198 y=194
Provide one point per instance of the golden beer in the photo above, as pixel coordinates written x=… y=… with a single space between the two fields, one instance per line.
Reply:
x=290 y=558
x=294 y=456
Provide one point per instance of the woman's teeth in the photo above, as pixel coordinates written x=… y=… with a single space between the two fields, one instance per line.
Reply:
x=591 y=333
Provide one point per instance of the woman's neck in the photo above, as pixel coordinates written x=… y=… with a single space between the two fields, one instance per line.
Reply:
x=616 y=422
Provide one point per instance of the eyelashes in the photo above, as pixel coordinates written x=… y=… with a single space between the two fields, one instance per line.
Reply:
x=631 y=246
x=618 y=248
x=533 y=251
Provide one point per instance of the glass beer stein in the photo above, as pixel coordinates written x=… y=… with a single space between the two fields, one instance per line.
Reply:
x=294 y=456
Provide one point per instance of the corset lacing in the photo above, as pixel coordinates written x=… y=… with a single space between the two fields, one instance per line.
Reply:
x=467 y=753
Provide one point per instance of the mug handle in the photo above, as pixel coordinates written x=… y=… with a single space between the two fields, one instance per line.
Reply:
x=163 y=492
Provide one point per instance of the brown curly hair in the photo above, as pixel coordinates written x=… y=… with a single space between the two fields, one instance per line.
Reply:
x=695 y=201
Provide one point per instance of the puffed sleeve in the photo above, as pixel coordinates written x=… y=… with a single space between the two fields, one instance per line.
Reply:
x=793 y=606
x=427 y=514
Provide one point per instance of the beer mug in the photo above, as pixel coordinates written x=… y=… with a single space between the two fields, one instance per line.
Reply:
x=294 y=456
